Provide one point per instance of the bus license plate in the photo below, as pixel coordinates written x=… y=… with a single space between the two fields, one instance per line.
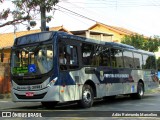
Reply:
x=29 y=94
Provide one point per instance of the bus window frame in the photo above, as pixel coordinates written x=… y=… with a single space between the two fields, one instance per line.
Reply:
x=105 y=46
x=117 y=48
x=149 y=55
x=96 y=45
x=132 y=59
x=141 y=67
x=70 y=42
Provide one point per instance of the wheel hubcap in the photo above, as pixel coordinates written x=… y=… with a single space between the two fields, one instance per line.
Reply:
x=141 y=91
x=87 y=96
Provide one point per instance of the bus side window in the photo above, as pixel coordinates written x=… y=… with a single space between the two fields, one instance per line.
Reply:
x=149 y=62
x=62 y=58
x=87 y=54
x=128 y=59
x=138 y=61
x=73 y=57
x=116 y=56
x=152 y=62
x=105 y=56
x=68 y=57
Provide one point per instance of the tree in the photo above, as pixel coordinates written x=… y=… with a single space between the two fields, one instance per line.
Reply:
x=153 y=44
x=158 y=63
x=27 y=10
x=141 y=42
x=135 y=40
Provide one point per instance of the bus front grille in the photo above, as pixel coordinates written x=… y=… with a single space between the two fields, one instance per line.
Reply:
x=40 y=96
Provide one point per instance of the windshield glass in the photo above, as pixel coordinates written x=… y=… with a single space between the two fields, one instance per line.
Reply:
x=34 y=60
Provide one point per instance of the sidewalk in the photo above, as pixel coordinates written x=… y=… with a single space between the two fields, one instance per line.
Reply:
x=5 y=96
x=156 y=90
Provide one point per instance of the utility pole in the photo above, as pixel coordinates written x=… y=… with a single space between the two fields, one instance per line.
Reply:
x=14 y=25
x=43 y=16
x=15 y=28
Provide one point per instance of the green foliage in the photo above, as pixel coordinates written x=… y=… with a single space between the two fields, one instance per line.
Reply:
x=153 y=44
x=141 y=42
x=150 y=63
x=33 y=23
x=33 y=4
x=158 y=63
x=135 y=40
x=48 y=19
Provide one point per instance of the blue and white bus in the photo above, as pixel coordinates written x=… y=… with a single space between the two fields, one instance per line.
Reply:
x=53 y=67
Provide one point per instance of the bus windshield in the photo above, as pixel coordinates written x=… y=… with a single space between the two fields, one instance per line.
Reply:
x=32 y=60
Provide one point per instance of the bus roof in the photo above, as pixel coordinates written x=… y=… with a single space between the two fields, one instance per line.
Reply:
x=110 y=44
x=43 y=36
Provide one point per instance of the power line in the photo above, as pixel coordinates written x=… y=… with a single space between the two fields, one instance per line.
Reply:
x=138 y=28
x=88 y=10
x=72 y=16
x=116 y=3
x=82 y=16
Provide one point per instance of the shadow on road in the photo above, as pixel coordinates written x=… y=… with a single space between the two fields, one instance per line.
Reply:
x=74 y=105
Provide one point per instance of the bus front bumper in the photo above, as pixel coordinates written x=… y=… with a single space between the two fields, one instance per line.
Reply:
x=47 y=94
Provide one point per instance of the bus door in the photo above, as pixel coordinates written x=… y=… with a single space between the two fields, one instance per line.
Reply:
x=68 y=65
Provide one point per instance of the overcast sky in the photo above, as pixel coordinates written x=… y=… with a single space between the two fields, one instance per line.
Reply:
x=142 y=16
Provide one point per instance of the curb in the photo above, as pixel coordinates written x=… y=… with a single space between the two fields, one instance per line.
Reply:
x=5 y=96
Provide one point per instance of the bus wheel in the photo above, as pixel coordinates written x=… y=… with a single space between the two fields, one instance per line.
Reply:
x=140 y=91
x=49 y=104
x=87 y=97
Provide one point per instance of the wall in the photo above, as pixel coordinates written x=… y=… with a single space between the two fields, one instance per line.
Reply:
x=116 y=36
x=5 y=72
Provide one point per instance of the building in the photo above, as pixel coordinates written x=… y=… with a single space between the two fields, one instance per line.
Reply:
x=104 y=32
x=93 y=34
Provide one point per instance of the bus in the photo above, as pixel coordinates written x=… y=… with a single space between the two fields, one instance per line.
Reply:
x=53 y=67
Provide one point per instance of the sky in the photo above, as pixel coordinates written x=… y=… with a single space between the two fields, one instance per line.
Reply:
x=142 y=16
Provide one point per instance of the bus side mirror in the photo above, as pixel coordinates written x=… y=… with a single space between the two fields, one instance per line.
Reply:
x=2 y=56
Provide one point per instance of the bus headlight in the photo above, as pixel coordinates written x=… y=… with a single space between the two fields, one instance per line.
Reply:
x=52 y=82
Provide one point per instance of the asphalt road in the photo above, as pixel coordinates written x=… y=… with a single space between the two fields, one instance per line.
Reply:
x=121 y=107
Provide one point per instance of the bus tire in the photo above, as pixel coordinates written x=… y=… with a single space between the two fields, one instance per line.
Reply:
x=49 y=104
x=140 y=91
x=87 y=97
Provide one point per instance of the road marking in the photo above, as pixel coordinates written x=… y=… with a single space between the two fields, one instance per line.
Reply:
x=4 y=101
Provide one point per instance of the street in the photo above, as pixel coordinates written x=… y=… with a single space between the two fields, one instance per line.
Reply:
x=101 y=108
